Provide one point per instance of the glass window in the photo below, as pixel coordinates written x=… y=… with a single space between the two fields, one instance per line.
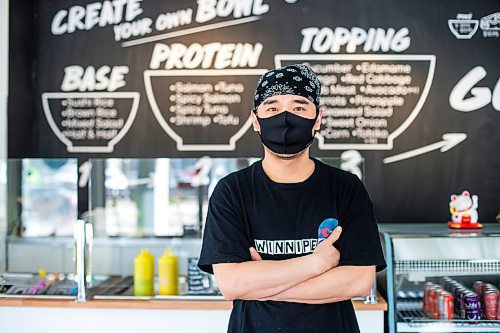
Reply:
x=48 y=197
x=156 y=197
x=165 y=197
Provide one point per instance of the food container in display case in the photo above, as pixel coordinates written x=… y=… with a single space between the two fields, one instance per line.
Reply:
x=441 y=280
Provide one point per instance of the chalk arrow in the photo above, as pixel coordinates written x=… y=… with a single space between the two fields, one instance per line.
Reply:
x=449 y=141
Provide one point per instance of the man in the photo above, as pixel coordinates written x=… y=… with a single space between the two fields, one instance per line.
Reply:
x=265 y=236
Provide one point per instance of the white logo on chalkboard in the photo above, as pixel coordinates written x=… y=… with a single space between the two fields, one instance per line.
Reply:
x=490 y=24
x=463 y=27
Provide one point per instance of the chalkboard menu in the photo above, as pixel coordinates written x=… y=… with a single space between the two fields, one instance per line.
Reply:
x=199 y=282
x=413 y=87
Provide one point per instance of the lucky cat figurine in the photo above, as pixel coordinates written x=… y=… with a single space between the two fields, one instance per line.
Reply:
x=463 y=208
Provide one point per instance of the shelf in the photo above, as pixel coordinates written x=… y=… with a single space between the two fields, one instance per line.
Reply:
x=417 y=269
x=412 y=319
x=411 y=322
x=404 y=230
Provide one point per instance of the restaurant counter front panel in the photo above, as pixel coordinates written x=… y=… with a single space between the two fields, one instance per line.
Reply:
x=157 y=314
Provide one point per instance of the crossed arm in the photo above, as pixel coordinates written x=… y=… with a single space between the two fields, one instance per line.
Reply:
x=337 y=284
x=303 y=279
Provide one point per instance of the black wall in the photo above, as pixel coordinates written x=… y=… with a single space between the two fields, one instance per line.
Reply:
x=415 y=189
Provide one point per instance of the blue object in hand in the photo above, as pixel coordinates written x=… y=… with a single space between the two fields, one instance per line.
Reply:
x=326 y=227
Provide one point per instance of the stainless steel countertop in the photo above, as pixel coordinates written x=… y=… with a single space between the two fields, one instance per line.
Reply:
x=437 y=230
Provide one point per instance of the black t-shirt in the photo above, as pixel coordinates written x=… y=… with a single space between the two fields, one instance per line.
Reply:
x=281 y=221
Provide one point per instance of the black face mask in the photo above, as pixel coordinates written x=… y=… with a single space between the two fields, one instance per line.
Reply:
x=286 y=133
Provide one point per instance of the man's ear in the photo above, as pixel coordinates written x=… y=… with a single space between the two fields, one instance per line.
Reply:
x=255 y=122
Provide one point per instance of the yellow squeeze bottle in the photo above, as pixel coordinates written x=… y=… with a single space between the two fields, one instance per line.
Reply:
x=168 y=273
x=144 y=274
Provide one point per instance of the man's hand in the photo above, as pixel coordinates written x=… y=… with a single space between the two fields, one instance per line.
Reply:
x=254 y=254
x=327 y=254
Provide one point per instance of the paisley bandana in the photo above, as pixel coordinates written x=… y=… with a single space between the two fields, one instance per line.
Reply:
x=296 y=79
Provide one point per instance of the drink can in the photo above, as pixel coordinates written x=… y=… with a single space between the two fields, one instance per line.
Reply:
x=446 y=281
x=490 y=300
x=431 y=298
x=434 y=296
x=472 y=306
x=453 y=286
x=431 y=294
x=459 y=309
x=456 y=284
x=490 y=286
x=498 y=309
x=471 y=301
x=478 y=287
x=445 y=305
x=425 y=299
x=463 y=292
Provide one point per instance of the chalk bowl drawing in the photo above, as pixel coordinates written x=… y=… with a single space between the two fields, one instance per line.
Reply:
x=463 y=28
x=368 y=100
x=90 y=122
x=202 y=110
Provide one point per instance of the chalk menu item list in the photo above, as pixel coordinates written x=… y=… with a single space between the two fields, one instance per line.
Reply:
x=202 y=109
x=368 y=100
x=90 y=121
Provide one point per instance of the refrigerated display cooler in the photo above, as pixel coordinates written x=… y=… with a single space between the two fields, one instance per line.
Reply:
x=432 y=255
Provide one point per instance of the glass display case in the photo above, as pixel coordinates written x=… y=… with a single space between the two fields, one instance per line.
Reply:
x=134 y=204
x=441 y=280
x=154 y=204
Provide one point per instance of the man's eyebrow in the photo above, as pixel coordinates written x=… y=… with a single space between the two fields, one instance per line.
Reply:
x=302 y=101
x=269 y=101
